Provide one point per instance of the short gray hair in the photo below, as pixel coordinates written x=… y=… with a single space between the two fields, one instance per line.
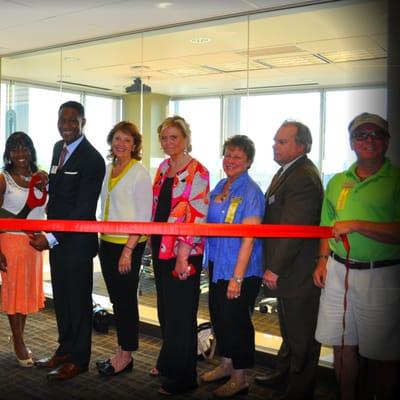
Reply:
x=244 y=143
x=303 y=134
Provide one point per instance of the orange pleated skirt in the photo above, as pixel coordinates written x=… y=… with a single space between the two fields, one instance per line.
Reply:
x=22 y=284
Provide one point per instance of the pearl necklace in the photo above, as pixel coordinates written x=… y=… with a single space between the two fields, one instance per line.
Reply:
x=224 y=194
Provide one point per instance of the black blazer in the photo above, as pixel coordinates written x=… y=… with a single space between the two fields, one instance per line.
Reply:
x=296 y=199
x=73 y=193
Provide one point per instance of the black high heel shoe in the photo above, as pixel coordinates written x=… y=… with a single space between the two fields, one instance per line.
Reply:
x=108 y=370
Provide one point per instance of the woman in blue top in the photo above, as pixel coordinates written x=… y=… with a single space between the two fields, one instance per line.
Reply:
x=235 y=267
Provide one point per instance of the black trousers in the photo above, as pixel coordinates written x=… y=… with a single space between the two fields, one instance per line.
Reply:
x=72 y=283
x=122 y=289
x=177 y=305
x=299 y=351
x=231 y=320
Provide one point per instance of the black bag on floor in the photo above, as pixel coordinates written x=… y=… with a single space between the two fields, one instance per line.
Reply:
x=101 y=319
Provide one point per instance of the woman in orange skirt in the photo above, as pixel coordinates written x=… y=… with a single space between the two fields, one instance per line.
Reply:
x=20 y=264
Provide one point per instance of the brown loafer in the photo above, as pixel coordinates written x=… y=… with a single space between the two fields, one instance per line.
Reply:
x=52 y=362
x=65 y=371
x=164 y=392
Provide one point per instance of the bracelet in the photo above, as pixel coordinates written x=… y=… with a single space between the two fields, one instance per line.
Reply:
x=238 y=279
x=325 y=257
x=130 y=248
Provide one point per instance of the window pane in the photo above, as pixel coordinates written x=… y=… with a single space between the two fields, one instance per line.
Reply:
x=102 y=113
x=204 y=117
x=341 y=107
x=261 y=116
x=3 y=92
x=36 y=111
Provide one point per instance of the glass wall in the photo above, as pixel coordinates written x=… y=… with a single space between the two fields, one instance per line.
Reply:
x=101 y=114
x=33 y=109
x=320 y=64
x=326 y=112
x=340 y=107
x=2 y=114
x=261 y=116
x=204 y=116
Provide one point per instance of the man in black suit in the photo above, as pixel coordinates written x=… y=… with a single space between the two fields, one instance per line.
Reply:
x=294 y=197
x=76 y=175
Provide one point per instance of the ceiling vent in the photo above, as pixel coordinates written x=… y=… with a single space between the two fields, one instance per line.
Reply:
x=82 y=85
x=271 y=51
x=288 y=86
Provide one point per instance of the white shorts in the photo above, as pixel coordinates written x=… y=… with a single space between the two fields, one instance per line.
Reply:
x=373 y=310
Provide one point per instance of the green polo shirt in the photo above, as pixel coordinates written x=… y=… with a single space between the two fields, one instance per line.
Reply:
x=375 y=199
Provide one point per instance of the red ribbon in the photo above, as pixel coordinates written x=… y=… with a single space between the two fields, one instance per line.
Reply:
x=165 y=228
x=346 y=246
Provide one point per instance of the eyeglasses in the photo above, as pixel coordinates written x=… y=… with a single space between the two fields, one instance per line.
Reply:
x=376 y=135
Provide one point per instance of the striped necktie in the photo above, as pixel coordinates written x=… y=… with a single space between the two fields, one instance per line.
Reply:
x=63 y=154
x=274 y=181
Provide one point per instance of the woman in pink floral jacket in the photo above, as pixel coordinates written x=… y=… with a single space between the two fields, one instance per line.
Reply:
x=180 y=194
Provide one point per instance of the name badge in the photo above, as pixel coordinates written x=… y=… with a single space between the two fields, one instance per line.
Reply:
x=53 y=169
x=341 y=202
x=233 y=206
x=271 y=199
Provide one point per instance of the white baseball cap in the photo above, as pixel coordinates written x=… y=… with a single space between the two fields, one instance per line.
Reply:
x=367 y=118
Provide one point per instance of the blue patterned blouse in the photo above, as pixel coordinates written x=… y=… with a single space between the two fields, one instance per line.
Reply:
x=245 y=199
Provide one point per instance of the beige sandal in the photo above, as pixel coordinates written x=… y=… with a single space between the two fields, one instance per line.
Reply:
x=26 y=363
x=215 y=374
x=230 y=389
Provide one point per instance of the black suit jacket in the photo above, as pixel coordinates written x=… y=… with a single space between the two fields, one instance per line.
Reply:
x=73 y=193
x=295 y=199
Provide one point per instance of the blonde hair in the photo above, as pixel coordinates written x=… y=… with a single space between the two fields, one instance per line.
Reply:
x=181 y=124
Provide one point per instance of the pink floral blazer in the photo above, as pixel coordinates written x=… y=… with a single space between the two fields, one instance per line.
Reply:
x=189 y=203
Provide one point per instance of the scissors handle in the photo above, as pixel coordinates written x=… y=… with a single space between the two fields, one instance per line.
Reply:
x=33 y=201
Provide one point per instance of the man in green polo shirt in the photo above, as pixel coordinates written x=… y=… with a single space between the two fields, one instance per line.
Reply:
x=364 y=204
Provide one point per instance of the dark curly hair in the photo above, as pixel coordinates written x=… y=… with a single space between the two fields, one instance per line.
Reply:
x=15 y=140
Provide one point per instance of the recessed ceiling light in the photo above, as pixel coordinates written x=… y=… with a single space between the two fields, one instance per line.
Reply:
x=71 y=59
x=164 y=4
x=200 y=40
x=137 y=67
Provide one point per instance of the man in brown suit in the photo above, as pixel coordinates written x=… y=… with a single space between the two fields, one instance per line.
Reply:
x=294 y=197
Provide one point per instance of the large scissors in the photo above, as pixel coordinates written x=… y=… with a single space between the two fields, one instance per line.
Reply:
x=31 y=202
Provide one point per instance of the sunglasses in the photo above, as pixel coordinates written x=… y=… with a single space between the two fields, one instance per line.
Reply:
x=376 y=135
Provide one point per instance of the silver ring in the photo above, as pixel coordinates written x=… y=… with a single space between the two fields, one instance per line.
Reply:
x=236 y=296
